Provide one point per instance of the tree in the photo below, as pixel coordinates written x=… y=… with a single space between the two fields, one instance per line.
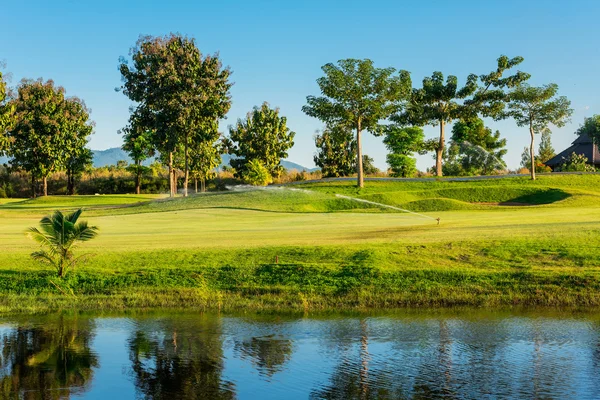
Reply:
x=205 y=157
x=358 y=96
x=591 y=127
x=257 y=174
x=262 y=136
x=536 y=108
x=439 y=103
x=474 y=149
x=336 y=149
x=39 y=139
x=78 y=130
x=369 y=167
x=545 y=150
x=403 y=142
x=53 y=360
x=58 y=235
x=177 y=91
x=137 y=142
x=6 y=115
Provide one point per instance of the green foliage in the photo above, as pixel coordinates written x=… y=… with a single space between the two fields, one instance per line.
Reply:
x=336 y=151
x=576 y=163
x=537 y=108
x=178 y=92
x=78 y=157
x=264 y=137
x=255 y=173
x=58 y=235
x=50 y=131
x=6 y=117
x=439 y=103
x=358 y=96
x=545 y=150
x=403 y=142
x=205 y=157
x=369 y=167
x=591 y=128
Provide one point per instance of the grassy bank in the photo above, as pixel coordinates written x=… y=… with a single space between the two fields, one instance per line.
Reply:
x=507 y=242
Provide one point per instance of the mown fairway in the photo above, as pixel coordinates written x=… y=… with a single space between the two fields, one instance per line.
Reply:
x=482 y=252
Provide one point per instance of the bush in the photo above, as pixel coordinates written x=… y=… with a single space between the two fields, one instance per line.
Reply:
x=576 y=163
x=256 y=174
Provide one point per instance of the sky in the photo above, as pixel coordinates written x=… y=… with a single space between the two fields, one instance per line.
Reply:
x=276 y=49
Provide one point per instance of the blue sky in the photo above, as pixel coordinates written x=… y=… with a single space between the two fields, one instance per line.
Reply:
x=276 y=49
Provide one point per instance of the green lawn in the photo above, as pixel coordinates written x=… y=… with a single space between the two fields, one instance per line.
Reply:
x=219 y=249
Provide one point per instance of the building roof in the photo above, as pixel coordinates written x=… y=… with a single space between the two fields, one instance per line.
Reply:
x=582 y=145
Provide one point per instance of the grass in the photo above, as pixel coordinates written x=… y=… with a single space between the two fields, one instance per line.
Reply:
x=219 y=250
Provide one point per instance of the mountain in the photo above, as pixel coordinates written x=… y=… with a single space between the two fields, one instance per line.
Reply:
x=111 y=156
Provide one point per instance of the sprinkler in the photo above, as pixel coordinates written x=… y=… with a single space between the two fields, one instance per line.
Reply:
x=438 y=220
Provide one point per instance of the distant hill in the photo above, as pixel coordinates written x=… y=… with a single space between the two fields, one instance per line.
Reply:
x=111 y=156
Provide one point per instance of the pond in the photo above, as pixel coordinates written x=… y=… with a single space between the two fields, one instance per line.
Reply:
x=423 y=354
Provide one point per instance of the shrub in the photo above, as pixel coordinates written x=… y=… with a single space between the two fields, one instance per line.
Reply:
x=256 y=174
x=576 y=163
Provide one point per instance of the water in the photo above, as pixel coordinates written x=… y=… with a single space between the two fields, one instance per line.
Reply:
x=412 y=354
x=384 y=206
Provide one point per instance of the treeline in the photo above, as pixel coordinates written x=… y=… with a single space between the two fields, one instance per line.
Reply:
x=179 y=97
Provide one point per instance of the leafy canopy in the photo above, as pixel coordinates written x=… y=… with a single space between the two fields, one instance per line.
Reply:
x=591 y=127
x=402 y=143
x=264 y=136
x=6 y=117
x=43 y=131
x=58 y=235
x=336 y=151
x=356 y=94
x=537 y=107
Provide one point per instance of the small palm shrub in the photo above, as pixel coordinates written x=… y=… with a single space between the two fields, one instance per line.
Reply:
x=58 y=235
x=256 y=174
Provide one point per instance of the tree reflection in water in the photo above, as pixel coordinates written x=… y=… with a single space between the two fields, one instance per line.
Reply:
x=179 y=358
x=47 y=361
x=269 y=354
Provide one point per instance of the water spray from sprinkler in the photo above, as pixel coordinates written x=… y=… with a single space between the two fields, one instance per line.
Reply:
x=386 y=206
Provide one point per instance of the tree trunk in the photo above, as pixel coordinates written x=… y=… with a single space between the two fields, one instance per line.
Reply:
x=45 y=185
x=171 y=180
x=439 y=152
x=138 y=177
x=70 y=182
x=532 y=153
x=187 y=171
x=359 y=159
x=33 y=194
x=203 y=185
x=196 y=185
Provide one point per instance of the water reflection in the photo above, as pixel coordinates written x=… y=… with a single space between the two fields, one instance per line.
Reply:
x=49 y=360
x=179 y=358
x=416 y=355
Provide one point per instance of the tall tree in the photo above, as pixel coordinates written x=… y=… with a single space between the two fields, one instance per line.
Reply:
x=475 y=149
x=79 y=127
x=38 y=137
x=137 y=142
x=545 y=149
x=177 y=89
x=264 y=136
x=205 y=157
x=336 y=151
x=591 y=127
x=358 y=96
x=439 y=103
x=403 y=142
x=537 y=108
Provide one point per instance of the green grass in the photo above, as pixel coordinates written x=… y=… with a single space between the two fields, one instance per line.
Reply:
x=218 y=250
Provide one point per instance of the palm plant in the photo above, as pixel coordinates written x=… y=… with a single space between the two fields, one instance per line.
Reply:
x=58 y=235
